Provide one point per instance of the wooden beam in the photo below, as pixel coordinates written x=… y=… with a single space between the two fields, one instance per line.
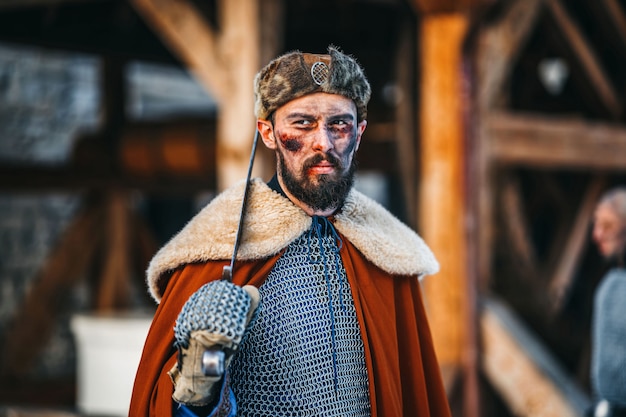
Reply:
x=571 y=255
x=113 y=290
x=405 y=119
x=240 y=48
x=442 y=210
x=187 y=34
x=528 y=378
x=272 y=41
x=484 y=206
x=471 y=362
x=613 y=27
x=585 y=55
x=555 y=143
x=145 y=247
x=449 y=6
x=498 y=48
x=561 y=204
x=517 y=228
x=616 y=17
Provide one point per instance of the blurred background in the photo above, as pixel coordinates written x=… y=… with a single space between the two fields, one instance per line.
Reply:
x=493 y=128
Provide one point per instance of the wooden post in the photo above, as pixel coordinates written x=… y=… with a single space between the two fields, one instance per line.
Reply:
x=114 y=286
x=405 y=119
x=527 y=377
x=442 y=205
x=236 y=125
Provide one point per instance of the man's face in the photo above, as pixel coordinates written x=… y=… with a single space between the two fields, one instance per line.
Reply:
x=315 y=138
x=609 y=231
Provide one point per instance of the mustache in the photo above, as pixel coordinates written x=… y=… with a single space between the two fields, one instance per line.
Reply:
x=316 y=159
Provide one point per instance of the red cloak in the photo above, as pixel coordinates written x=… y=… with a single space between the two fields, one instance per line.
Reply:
x=404 y=375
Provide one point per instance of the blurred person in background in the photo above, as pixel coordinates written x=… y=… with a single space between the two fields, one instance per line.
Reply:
x=608 y=360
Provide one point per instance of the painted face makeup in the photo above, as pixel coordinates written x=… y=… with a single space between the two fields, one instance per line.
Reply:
x=322 y=181
x=291 y=144
x=316 y=138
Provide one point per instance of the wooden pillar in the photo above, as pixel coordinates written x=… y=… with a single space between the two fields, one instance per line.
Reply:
x=114 y=287
x=441 y=191
x=239 y=49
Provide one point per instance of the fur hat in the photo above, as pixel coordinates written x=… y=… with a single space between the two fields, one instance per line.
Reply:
x=296 y=74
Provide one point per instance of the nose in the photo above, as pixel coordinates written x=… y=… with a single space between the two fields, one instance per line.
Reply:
x=322 y=140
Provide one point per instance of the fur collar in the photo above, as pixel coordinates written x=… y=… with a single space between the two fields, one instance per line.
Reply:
x=272 y=222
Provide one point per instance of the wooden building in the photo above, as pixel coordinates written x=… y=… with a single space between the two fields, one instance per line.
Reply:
x=495 y=123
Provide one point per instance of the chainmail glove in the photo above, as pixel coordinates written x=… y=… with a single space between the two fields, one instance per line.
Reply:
x=212 y=321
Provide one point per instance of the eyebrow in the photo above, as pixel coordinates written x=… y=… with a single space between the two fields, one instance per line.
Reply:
x=299 y=115
x=343 y=116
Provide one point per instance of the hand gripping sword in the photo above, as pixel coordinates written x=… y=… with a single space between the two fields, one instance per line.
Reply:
x=213 y=360
x=220 y=307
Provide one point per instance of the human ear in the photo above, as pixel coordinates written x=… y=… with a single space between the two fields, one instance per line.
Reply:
x=266 y=130
x=359 y=133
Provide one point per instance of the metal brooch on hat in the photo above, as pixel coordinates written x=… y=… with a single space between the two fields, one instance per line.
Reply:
x=319 y=72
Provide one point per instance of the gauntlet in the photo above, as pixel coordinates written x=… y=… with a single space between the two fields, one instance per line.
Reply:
x=208 y=331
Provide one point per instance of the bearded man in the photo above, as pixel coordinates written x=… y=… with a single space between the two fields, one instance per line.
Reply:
x=340 y=328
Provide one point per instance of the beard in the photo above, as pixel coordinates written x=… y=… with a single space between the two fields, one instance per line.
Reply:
x=322 y=192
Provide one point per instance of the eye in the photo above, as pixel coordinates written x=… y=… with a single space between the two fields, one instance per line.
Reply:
x=340 y=125
x=302 y=123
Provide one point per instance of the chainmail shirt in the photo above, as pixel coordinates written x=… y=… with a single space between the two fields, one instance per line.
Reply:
x=303 y=354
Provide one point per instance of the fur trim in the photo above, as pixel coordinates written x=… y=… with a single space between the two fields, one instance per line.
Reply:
x=383 y=239
x=273 y=222
x=290 y=76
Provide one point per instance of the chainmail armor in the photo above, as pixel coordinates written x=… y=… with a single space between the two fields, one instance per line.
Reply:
x=303 y=354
